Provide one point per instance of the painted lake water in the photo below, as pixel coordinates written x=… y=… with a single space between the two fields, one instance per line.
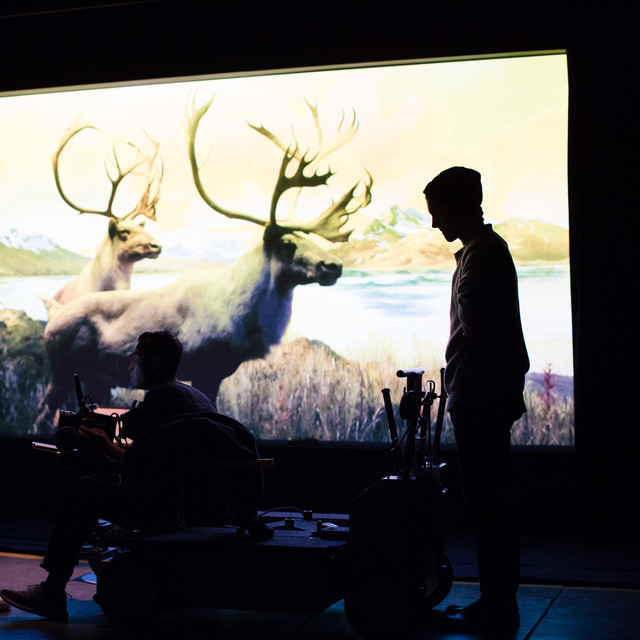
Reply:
x=362 y=308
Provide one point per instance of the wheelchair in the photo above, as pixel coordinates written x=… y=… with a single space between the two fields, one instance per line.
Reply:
x=385 y=558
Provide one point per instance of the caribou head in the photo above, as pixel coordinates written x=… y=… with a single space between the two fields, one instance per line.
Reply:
x=127 y=241
x=296 y=260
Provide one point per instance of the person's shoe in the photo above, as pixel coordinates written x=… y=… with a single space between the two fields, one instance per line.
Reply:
x=500 y=615
x=39 y=600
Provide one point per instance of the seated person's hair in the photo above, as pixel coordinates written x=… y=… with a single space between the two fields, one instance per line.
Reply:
x=164 y=346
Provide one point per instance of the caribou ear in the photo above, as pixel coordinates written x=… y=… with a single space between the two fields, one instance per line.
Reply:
x=271 y=237
x=113 y=228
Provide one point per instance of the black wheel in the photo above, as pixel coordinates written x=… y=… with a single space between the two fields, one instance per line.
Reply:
x=438 y=582
x=380 y=608
x=128 y=592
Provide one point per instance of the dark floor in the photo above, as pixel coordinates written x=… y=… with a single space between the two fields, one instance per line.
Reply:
x=572 y=589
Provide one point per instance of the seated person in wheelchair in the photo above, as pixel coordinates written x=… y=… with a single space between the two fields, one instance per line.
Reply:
x=175 y=425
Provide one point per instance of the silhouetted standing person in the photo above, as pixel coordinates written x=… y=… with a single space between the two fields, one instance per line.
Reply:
x=486 y=361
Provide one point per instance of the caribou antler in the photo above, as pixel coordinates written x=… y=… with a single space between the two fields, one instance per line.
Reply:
x=146 y=206
x=193 y=118
x=339 y=140
x=298 y=179
x=328 y=225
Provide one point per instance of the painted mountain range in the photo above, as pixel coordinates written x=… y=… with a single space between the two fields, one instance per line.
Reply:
x=403 y=239
x=25 y=254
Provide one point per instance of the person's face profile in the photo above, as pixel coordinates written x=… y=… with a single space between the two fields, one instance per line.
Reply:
x=442 y=219
x=137 y=370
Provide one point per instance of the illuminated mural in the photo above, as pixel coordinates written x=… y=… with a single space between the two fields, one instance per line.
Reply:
x=298 y=283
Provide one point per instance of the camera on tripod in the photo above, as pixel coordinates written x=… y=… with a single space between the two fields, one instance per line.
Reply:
x=67 y=436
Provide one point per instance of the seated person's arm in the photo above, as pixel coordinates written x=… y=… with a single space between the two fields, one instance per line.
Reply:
x=101 y=440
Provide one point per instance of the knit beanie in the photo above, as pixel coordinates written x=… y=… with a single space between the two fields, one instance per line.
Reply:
x=458 y=188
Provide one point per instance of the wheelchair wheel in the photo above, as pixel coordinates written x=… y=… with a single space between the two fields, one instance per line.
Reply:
x=443 y=577
x=380 y=608
x=128 y=592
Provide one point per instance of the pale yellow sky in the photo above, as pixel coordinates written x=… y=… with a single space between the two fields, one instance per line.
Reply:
x=506 y=118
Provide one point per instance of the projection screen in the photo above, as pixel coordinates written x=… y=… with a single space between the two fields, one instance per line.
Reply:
x=343 y=305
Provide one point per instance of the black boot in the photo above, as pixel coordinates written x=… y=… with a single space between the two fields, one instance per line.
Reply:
x=39 y=599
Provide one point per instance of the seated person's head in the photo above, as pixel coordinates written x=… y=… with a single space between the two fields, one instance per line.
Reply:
x=155 y=359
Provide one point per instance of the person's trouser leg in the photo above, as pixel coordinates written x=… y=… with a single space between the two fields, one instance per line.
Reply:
x=83 y=502
x=483 y=443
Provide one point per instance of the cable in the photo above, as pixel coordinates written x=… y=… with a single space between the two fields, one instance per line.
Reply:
x=299 y=629
x=542 y=617
x=264 y=513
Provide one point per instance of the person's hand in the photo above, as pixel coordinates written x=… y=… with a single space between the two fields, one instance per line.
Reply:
x=99 y=441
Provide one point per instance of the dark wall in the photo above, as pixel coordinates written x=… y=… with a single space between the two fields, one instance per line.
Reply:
x=137 y=40
x=160 y=38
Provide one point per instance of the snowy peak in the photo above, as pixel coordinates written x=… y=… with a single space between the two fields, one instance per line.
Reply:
x=32 y=254
x=36 y=243
x=398 y=223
